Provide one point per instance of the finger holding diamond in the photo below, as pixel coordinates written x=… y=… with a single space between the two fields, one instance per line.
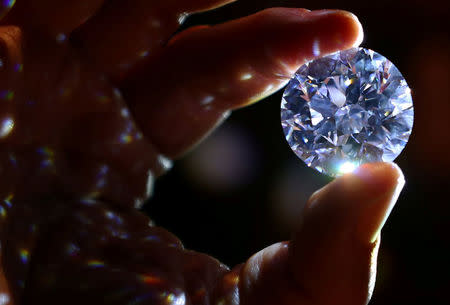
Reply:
x=335 y=247
x=235 y=64
x=337 y=242
x=124 y=33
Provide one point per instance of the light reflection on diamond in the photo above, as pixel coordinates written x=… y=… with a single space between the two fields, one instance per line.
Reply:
x=346 y=167
x=346 y=109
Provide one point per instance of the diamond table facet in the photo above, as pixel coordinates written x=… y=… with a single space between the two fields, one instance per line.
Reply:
x=345 y=109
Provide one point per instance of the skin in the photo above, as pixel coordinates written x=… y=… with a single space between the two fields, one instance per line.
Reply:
x=91 y=117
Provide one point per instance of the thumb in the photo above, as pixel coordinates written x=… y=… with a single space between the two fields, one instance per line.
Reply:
x=332 y=258
x=334 y=253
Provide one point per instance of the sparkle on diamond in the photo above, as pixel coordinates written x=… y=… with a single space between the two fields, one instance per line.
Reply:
x=346 y=109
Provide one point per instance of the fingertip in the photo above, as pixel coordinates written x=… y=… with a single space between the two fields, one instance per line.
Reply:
x=355 y=29
x=382 y=176
x=365 y=196
x=372 y=190
x=266 y=277
x=359 y=30
x=388 y=179
x=297 y=36
x=339 y=233
x=342 y=31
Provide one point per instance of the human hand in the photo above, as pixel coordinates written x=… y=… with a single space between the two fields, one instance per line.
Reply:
x=98 y=97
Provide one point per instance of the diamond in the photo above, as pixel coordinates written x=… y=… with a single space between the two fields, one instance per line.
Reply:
x=345 y=109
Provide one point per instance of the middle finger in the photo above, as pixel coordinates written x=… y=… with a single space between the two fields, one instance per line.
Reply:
x=125 y=32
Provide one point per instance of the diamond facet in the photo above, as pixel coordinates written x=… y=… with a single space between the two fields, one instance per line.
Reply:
x=345 y=109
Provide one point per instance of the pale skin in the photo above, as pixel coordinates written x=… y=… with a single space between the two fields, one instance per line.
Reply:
x=90 y=91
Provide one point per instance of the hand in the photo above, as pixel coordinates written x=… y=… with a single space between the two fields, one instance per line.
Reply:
x=97 y=97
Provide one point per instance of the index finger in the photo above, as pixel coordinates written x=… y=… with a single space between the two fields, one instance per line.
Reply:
x=204 y=72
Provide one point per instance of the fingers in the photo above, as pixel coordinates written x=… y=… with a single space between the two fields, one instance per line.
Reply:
x=124 y=33
x=266 y=279
x=87 y=251
x=68 y=132
x=332 y=258
x=53 y=17
x=336 y=246
x=206 y=71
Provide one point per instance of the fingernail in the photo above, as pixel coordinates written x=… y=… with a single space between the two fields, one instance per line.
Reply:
x=322 y=12
x=304 y=11
x=384 y=182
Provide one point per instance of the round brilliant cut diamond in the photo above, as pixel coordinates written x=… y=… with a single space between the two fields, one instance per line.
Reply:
x=345 y=109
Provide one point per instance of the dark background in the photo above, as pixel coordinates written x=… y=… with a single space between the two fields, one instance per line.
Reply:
x=241 y=189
